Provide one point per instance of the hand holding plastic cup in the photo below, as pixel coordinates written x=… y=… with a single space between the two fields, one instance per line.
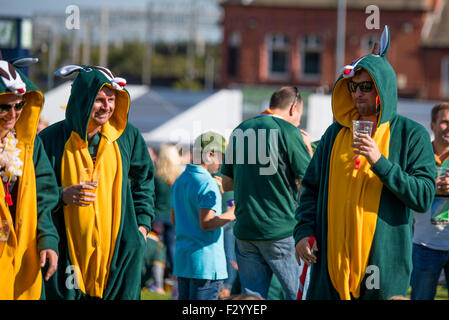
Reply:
x=364 y=127
x=90 y=177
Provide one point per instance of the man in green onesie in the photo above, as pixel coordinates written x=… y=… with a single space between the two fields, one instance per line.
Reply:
x=358 y=190
x=28 y=192
x=103 y=222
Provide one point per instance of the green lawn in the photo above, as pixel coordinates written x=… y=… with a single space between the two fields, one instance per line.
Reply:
x=441 y=293
x=150 y=295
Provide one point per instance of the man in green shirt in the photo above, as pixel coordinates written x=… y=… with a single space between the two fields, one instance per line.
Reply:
x=266 y=158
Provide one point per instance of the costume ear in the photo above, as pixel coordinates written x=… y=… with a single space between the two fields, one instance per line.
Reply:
x=68 y=70
x=384 y=42
x=23 y=62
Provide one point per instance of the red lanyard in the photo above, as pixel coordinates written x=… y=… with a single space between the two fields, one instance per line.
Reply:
x=8 y=196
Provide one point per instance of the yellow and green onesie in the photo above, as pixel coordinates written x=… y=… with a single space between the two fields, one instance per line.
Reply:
x=35 y=196
x=361 y=218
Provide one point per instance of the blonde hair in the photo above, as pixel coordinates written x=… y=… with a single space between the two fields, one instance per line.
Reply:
x=168 y=163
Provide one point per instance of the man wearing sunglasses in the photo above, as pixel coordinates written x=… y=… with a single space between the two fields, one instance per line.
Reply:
x=361 y=215
x=28 y=193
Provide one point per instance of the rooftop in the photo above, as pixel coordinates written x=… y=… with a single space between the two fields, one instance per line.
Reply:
x=352 y=4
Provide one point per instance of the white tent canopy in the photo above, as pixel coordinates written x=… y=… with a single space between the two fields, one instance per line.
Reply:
x=221 y=112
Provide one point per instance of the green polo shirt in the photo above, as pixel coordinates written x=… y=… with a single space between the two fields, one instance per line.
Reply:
x=265 y=189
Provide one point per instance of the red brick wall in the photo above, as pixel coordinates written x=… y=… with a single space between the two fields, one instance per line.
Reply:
x=405 y=53
x=432 y=72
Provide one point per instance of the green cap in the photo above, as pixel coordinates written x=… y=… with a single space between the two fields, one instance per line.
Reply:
x=210 y=141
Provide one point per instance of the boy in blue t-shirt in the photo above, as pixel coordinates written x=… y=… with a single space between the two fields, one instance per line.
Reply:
x=200 y=262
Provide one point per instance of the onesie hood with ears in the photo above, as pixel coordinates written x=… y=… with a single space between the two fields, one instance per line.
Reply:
x=353 y=178
x=85 y=88
x=384 y=79
x=13 y=81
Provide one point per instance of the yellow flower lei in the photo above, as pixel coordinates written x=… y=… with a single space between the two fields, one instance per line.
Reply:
x=10 y=163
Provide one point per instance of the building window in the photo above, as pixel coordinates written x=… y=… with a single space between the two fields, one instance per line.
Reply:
x=310 y=49
x=278 y=52
x=233 y=53
x=445 y=77
x=367 y=43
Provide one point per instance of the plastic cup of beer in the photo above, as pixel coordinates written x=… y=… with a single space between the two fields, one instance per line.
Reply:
x=90 y=177
x=362 y=126
x=5 y=229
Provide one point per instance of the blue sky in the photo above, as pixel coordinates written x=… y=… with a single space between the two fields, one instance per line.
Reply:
x=28 y=7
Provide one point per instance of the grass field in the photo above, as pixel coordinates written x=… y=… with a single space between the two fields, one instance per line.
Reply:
x=441 y=293
x=149 y=295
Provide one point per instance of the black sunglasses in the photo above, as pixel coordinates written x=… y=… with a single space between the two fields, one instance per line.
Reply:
x=365 y=86
x=4 y=108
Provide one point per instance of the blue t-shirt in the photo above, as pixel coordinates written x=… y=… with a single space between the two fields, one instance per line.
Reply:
x=199 y=254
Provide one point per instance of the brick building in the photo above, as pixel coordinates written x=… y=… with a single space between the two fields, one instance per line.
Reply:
x=293 y=42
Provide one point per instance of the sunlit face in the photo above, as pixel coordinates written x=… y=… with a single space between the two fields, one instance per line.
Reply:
x=103 y=107
x=364 y=102
x=440 y=127
x=8 y=119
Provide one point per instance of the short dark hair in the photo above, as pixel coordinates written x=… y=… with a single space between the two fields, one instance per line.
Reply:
x=437 y=108
x=284 y=98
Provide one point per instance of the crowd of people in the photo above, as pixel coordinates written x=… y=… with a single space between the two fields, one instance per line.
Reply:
x=89 y=211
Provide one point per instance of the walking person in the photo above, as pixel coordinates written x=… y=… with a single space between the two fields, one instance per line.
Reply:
x=265 y=161
x=28 y=238
x=200 y=262
x=358 y=192
x=431 y=229
x=168 y=169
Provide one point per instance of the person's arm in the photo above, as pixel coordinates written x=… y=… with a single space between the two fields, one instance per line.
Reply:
x=299 y=152
x=308 y=205
x=414 y=186
x=307 y=141
x=47 y=199
x=209 y=221
x=78 y=195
